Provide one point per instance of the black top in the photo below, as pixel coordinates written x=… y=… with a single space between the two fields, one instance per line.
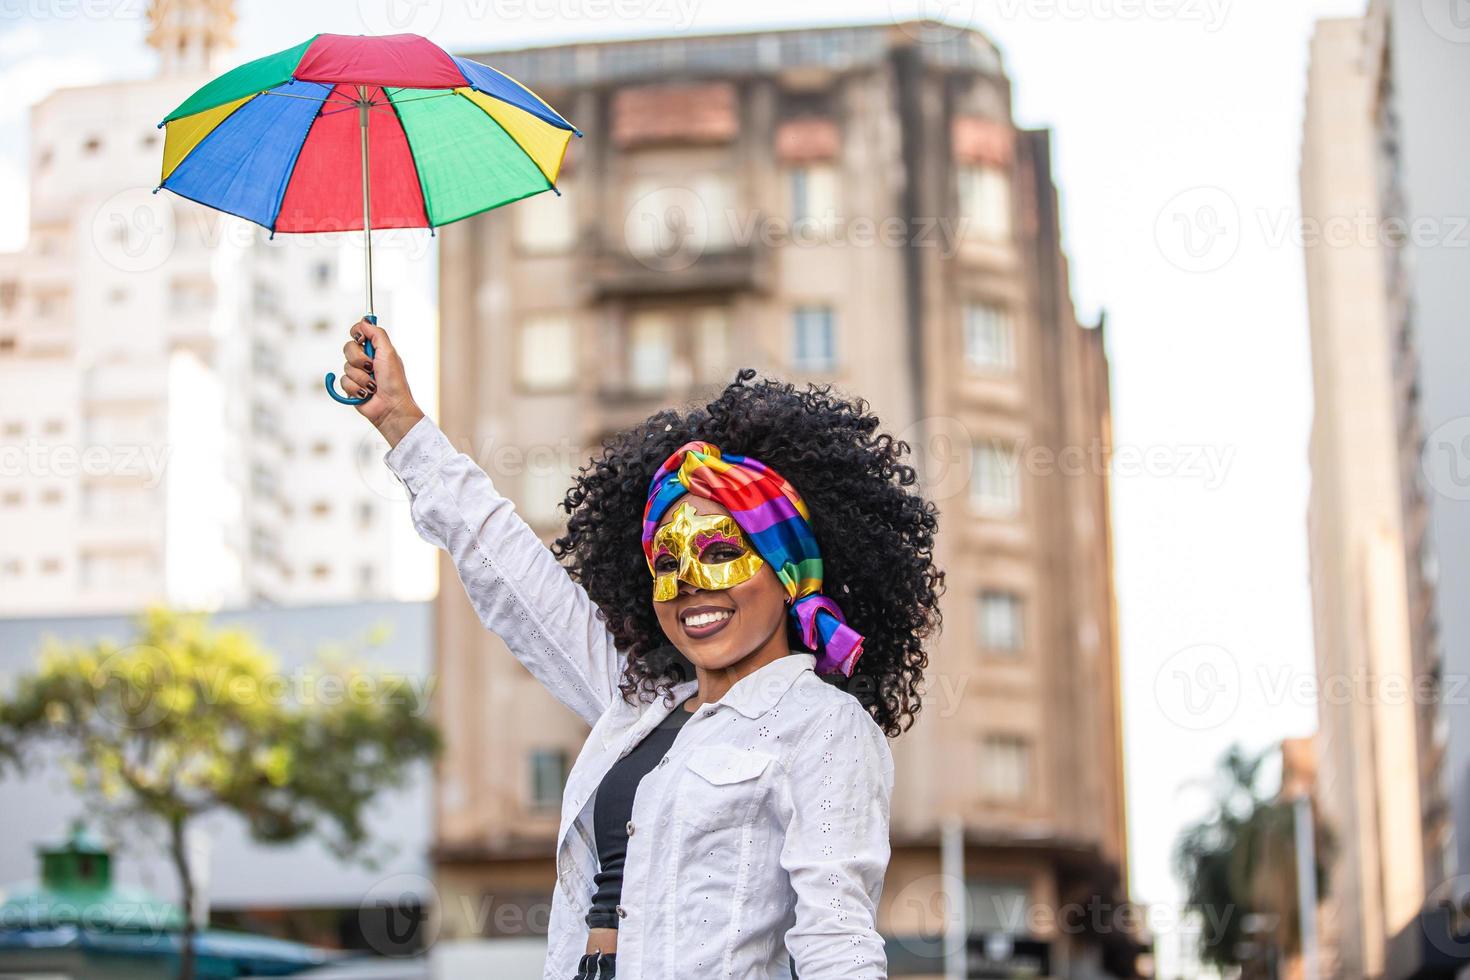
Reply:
x=613 y=811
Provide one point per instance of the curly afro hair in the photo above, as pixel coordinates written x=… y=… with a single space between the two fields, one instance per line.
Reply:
x=875 y=531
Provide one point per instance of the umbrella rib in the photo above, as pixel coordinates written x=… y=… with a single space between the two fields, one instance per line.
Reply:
x=417 y=174
x=437 y=95
x=307 y=98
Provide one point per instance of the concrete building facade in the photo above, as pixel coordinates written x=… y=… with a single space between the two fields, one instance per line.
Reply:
x=1418 y=55
x=165 y=434
x=1390 y=522
x=1364 y=745
x=844 y=205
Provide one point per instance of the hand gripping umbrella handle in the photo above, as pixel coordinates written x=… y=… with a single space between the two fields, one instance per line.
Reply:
x=367 y=346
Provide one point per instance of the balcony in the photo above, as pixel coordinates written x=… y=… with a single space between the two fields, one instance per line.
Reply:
x=613 y=272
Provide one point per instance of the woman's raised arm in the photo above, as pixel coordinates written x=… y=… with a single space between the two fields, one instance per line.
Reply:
x=520 y=592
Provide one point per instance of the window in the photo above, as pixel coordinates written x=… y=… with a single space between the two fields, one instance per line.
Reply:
x=814 y=337
x=990 y=338
x=985 y=203
x=693 y=217
x=91 y=145
x=10 y=568
x=547 y=354
x=107 y=570
x=997 y=906
x=1002 y=624
x=50 y=566
x=11 y=498
x=995 y=481
x=1005 y=768
x=545 y=224
x=712 y=344
x=51 y=496
x=263 y=296
x=813 y=200
x=190 y=296
x=321 y=273
x=548 y=776
x=650 y=352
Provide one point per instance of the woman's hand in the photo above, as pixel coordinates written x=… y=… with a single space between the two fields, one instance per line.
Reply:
x=379 y=379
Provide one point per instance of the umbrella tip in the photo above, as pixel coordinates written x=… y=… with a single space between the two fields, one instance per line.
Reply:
x=577 y=133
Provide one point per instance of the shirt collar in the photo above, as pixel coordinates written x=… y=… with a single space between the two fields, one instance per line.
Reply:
x=757 y=692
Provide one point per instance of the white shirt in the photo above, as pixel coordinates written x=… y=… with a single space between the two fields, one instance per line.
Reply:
x=759 y=839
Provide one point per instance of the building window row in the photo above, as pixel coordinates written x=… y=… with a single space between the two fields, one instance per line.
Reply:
x=667 y=216
x=13 y=567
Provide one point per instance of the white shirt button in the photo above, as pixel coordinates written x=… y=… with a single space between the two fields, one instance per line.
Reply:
x=663 y=762
x=622 y=912
x=630 y=828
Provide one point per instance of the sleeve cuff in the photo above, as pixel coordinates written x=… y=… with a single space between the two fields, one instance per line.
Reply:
x=419 y=454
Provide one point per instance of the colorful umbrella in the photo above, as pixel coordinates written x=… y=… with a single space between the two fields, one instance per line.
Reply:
x=284 y=141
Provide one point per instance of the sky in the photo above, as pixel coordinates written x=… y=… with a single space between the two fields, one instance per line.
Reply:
x=1177 y=128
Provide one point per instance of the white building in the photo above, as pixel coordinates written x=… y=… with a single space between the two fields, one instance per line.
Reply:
x=164 y=434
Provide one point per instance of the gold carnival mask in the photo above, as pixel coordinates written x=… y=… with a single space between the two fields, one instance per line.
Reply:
x=709 y=551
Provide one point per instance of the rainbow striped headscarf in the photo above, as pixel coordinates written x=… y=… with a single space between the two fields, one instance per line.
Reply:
x=775 y=519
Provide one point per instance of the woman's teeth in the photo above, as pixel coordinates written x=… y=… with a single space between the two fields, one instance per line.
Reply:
x=705 y=619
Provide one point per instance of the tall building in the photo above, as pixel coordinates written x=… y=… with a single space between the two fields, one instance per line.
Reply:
x=1365 y=746
x=1390 y=509
x=847 y=205
x=165 y=435
x=1417 y=53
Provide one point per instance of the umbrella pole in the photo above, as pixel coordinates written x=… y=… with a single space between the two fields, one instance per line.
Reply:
x=363 y=108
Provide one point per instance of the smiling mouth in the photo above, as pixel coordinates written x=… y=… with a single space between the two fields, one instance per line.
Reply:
x=703 y=621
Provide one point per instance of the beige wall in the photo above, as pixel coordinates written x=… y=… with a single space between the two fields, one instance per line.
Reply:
x=1365 y=745
x=1061 y=691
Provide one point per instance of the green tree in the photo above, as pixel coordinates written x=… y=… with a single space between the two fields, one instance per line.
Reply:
x=189 y=719
x=1239 y=868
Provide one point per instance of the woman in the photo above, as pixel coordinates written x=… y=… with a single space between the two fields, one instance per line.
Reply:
x=728 y=815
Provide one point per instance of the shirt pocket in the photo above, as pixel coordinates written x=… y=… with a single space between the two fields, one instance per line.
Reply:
x=722 y=787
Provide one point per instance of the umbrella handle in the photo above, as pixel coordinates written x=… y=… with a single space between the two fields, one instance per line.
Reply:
x=367 y=346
